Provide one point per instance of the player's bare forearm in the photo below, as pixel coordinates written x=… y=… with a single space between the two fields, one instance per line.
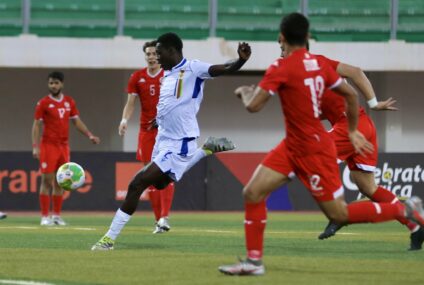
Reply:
x=35 y=135
x=254 y=99
x=82 y=128
x=129 y=107
x=359 y=78
x=352 y=105
x=244 y=52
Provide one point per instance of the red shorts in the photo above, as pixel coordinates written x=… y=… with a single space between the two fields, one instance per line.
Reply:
x=345 y=150
x=319 y=172
x=146 y=142
x=52 y=156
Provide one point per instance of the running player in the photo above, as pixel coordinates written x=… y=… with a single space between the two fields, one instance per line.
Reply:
x=53 y=112
x=144 y=84
x=361 y=168
x=175 y=150
x=300 y=79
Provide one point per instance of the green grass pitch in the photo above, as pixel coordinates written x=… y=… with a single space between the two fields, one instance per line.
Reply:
x=197 y=244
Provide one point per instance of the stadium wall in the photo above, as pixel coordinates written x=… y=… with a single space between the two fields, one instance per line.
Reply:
x=100 y=95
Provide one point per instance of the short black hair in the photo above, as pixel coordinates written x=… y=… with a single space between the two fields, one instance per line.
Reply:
x=149 y=44
x=295 y=29
x=169 y=40
x=56 y=75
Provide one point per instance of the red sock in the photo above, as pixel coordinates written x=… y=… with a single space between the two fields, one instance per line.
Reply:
x=384 y=195
x=155 y=201
x=166 y=196
x=44 y=204
x=57 y=204
x=371 y=212
x=254 y=228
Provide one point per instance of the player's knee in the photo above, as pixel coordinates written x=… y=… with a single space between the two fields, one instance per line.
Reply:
x=162 y=184
x=251 y=196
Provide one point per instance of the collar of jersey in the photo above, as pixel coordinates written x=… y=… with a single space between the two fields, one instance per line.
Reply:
x=182 y=62
x=57 y=100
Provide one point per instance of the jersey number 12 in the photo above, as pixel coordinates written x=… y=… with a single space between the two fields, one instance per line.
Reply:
x=316 y=86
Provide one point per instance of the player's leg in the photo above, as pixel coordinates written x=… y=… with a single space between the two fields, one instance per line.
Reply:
x=146 y=142
x=166 y=197
x=263 y=182
x=268 y=176
x=151 y=174
x=46 y=187
x=57 y=195
x=48 y=156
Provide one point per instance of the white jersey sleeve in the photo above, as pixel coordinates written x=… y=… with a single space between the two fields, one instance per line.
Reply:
x=200 y=69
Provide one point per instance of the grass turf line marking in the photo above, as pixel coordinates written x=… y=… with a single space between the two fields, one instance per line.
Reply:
x=49 y=228
x=22 y=282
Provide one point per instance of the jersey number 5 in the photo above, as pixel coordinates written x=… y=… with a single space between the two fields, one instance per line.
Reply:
x=316 y=86
x=152 y=90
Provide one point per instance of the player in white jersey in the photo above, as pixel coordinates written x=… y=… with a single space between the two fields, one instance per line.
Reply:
x=175 y=150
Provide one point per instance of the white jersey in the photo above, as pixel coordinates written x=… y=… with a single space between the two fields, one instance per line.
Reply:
x=181 y=93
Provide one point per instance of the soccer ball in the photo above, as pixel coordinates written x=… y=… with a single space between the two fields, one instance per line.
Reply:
x=70 y=176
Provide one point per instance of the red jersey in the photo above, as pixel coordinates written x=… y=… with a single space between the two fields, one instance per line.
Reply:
x=300 y=80
x=147 y=88
x=333 y=106
x=55 y=114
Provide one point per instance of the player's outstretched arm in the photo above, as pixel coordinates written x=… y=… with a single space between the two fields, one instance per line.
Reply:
x=359 y=142
x=254 y=99
x=79 y=124
x=244 y=51
x=358 y=77
x=126 y=114
x=35 y=134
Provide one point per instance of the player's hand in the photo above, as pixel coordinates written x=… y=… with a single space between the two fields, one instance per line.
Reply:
x=153 y=124
x=244 y=51
x=94 y=139
x=122 y=128
x=387 y=105
x=245 y=93
x=360 y=143
x=36 y=153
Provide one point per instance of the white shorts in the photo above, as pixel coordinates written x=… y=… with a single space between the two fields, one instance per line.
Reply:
x=174 y=156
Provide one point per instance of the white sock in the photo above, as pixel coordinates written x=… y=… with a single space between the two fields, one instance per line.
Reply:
x=118 y=223
x=198 y=155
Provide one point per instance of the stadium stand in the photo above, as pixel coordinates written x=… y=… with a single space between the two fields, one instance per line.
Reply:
x=332 y=20
x=10 y=18
x=147 y=19
x=411 y=20
x=359 y=20
x=76 y=18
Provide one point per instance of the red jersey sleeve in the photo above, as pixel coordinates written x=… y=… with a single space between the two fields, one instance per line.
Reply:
x=39 y=110
x=132 y=87
x=274 y=78
x=74 y=110
x=331 y=62
x=332 y=78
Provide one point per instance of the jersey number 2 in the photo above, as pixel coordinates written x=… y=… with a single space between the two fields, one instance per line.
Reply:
x=316 y=86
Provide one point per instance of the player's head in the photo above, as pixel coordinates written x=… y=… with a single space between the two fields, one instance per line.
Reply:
x=55 y=81
x=149 y=49
x=294 y=31
x=169 y=50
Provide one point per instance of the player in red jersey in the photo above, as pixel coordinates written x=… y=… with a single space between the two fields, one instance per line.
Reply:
x=300 y=79
x=53 y=112
x=145 y=85
x=361 y=168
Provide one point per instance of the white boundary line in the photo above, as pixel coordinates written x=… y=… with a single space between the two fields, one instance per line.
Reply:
x=48 y=228
x=22 y=282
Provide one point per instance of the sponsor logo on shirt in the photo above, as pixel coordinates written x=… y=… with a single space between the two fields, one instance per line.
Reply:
x=142 y=80
x=311 y=64
x=51 y=106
